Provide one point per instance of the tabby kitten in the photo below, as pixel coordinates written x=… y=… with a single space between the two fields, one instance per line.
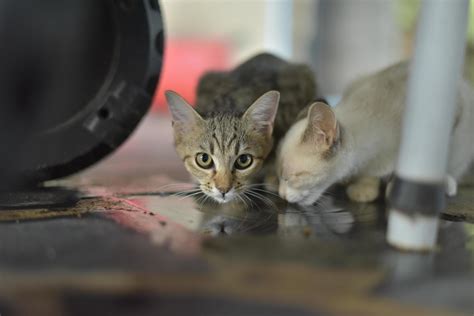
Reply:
x=358 y=140
x=226 y=142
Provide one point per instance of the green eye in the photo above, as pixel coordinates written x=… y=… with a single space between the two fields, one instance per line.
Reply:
x=243 y=161
x=204 y=160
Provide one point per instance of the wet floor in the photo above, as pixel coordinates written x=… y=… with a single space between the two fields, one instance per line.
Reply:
x=120 y=240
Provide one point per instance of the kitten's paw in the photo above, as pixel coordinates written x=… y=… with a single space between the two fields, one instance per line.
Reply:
x=451 y=186
x=364 y=190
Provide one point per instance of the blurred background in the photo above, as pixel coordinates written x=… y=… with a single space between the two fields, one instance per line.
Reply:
x=340 y=39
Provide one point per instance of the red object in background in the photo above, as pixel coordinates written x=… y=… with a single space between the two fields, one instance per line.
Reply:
x=184 y=63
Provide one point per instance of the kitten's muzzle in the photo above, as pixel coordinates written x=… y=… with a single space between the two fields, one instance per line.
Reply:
x=223 y=196
x=223 y=190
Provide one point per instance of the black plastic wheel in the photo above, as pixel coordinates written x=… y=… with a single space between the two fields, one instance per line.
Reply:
x=76 y=77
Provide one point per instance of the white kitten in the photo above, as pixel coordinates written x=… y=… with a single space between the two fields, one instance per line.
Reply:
x=358 y=140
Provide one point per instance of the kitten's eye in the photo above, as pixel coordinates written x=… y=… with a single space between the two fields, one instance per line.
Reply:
x=204 y=160
x=243 y=161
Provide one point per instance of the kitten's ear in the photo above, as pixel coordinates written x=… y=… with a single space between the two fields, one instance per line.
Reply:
x=183 y=114
x=322 y=125
x=261 y=114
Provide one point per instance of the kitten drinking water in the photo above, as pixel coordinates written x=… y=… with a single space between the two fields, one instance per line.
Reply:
x=358 y=140
x=226 y=142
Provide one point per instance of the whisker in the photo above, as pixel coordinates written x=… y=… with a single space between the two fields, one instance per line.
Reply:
x=264 y=199
x=190 y=190
x=259 y=223
x=265 y=191
x=191 y=195
x=243 y=201
x=242 y=221
x=185 y=193
x=259 y=194
x=251 y=204
x=177 y=184
x=264 y=185
x=200 y=201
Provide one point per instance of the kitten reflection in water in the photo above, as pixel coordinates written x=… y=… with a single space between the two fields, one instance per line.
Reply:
x=287 y=220
x=322 y=221
x=240 y=218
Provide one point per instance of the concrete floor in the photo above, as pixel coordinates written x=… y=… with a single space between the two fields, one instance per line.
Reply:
x=121 y=240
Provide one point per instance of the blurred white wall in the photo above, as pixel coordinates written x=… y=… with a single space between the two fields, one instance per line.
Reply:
x=237 y=22
x=341 y=39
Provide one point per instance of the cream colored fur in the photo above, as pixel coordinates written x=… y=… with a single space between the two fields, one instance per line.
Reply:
x=369 y=117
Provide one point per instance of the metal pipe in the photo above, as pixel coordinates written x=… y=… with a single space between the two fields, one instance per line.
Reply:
x=418 y=193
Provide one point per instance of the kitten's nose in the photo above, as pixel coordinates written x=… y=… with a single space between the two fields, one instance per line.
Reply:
x=223 y=190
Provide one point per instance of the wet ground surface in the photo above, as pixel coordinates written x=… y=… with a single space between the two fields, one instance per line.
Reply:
x=124 y=239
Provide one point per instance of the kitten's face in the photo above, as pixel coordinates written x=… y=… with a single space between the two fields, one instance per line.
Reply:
x=224 y=156
x=307 y=156
x=224 y=153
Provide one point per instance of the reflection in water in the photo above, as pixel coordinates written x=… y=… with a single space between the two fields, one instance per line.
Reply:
x=440 y=279
x=274 y=215
x=340 y=232
x=453 y=256
x=323 y=221
x=239 y=218
x=337 y=232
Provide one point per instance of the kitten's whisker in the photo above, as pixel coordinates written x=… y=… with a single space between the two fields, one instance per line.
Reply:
x=259 y=223
x=247 y=202
x=200 y=201
x=191 y=195
x=266 y=203
x=328 y=194
x=265 y=191
x=259 y=194
x=326 y=197
x=242 y=200
x=185 y=193
x=251 y=203
x=184 y=184
x=241 y=221
x=257 y=187
x=264 y=199
x=205 y=199
x=262 y=185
